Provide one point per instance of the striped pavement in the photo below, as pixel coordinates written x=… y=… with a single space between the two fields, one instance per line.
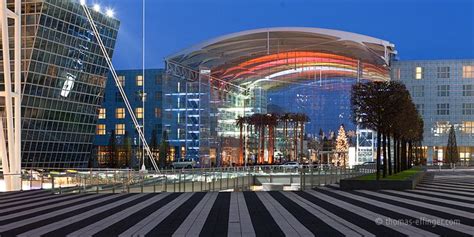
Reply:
x=441 y=206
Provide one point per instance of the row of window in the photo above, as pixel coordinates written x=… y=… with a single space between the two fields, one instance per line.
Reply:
x=442 y=72
x=101 y=129
x=138 y=80
x=442 y=127
x=139 y=96
x=120 y=113
x=442 y=90
x=443 y=109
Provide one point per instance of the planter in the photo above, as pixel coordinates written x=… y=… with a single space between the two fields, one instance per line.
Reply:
x=355 y=184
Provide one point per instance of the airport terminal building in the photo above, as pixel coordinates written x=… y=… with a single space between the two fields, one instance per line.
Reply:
x=272 y=70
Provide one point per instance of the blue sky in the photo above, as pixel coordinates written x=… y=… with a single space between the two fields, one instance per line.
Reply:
x=420 y=29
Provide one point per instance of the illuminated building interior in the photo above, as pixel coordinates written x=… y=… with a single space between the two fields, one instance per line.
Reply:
x=272 y=70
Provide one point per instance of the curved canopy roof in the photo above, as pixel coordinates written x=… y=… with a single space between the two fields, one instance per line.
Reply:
x=289 y=54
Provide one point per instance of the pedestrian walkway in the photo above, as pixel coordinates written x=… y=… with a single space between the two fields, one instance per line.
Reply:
x=442 y=205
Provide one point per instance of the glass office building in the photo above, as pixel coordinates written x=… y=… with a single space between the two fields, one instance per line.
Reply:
x=113 y=115
x=63 y=78
x=443 y=91
x=272 y=70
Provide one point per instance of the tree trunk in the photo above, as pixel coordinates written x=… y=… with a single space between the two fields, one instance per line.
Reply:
x=270 y=143
x=410 y=154
x=295 y=141
x=389 y=156
x=262 y=145
x=384 y=146
x=404 y=155
x=241 y=151
x=377 y=161
x=301 y=141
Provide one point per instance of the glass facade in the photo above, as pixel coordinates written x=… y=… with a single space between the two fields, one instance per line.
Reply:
x=63 y=79
x=443 y=95
x=275 y=70
x=118 y=119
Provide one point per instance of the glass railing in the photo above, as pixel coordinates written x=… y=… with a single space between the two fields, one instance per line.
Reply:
x=252 y=178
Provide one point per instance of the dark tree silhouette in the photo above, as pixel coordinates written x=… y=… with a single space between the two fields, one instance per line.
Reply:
x=112 y=161
x=452 y=155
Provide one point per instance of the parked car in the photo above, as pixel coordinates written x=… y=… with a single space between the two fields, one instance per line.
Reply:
x=183 y=164
x=290 y=165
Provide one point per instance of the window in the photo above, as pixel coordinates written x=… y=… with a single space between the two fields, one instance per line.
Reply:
x=120 y=113
x=139 y=112
x=418 y=73
x=139 y=80
x=121 y=80
x=157 y=113
x=467 y=90
x=100 y=130
x=418 y=91
x=102 y=114
x=468 y=108
x=442 y=109
x=443 y=72
x=441 y=127
x=120 y=129
x=467 y=71
x=443 y=90
x=118 y=97
x=157 y=95
x=158 y=79
x=467 y=127
x=420 y=108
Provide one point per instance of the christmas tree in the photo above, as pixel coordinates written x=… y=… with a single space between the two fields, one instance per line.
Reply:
x=342 y=146
x=452 y=155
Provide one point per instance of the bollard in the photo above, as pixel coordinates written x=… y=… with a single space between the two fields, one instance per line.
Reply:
x=179 y=180
x=192 y=180
x=97 y=185
x=142 y=182
x=319 y=176
x=165 y=185
x=220 y=180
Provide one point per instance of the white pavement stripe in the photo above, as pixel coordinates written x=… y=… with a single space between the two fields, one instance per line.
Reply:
x=240 y=223
x=246 y=226
x=110 y=220
x=458 y=227
x=148 y=223
x=442 y=194
x=34 y=204
x=471 y=190
x=343 y=226
x=285 y=220
x=33 y=210
x=422 y=204
x=59 y=224
x=447 y=201
x=52 y=214
x=445 y=190
x=372 y=216
x=234 y=220
x=195 y=221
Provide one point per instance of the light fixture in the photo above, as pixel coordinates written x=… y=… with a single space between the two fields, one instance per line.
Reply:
x=96 y=7
x=83 y=2
x=109 y=12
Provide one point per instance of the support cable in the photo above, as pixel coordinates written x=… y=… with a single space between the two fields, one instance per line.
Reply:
x=120 y=88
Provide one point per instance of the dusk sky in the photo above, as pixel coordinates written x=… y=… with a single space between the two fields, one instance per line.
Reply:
x=420 y=29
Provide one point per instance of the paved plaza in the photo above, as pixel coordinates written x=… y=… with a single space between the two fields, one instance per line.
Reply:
x=441 y=205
